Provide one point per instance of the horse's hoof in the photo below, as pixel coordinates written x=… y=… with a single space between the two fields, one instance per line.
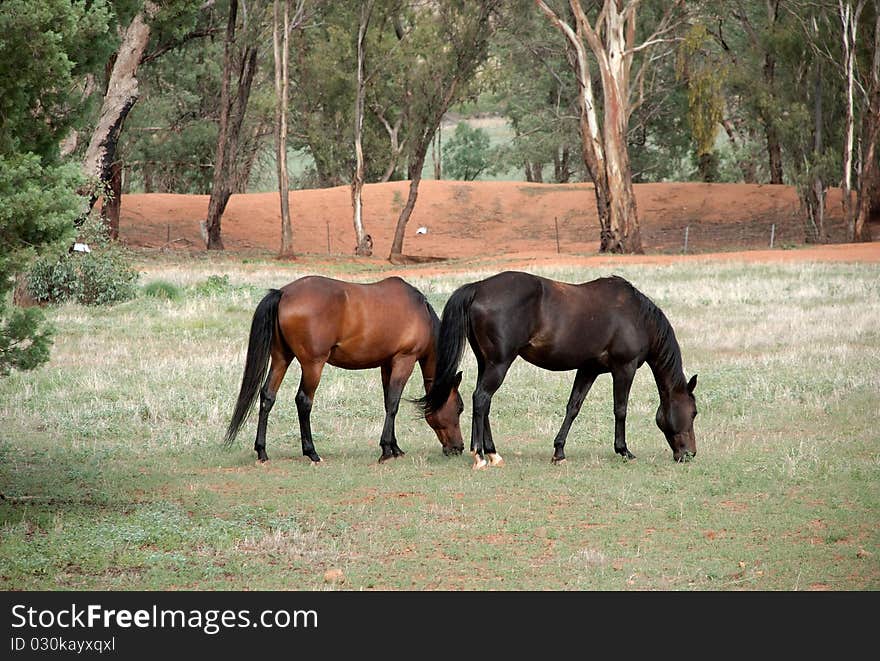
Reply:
x=385 y=458
x=495 y=460
x=479 y=462
x=261 y=462
x=557 y=461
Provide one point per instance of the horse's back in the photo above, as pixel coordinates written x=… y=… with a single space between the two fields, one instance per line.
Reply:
x=558 y=325
x=353 y=325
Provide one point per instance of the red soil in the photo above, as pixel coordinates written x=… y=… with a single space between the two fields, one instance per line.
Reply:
x=511 y=222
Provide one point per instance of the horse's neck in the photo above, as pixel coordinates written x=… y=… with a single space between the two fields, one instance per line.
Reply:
x=666 y=381
x=668 y=374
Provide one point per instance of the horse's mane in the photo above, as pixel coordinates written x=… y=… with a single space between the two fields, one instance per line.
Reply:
x=435 y=320
x=664 y=345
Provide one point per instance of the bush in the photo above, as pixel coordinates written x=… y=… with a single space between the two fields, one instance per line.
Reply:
x=99 y=277
x=162 y=289
x=215 y=285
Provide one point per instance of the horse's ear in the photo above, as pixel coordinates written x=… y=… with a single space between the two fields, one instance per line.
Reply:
x=692 y=384
x=457 y=380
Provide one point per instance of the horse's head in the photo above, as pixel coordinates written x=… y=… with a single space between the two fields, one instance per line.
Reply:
x=675 y=417
x=444 y=421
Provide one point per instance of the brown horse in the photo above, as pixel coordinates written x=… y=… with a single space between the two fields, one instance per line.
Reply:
x=597 y=327
x=317 y=320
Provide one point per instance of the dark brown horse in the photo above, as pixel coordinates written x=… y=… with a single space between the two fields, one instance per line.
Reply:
x=317 y=320
x=606 y=325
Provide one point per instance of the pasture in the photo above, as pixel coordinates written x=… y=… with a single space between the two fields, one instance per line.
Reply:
x=114 y=476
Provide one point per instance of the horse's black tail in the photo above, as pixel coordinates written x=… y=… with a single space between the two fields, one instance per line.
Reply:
x=450 y=347
x=257 y=362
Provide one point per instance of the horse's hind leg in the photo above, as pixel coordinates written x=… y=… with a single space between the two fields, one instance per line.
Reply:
x=583 y=381
x=394 y=378
x=308 y=384
x=277 y=370
x=623 y=378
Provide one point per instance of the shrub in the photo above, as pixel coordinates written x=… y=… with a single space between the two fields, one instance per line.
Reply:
x=162 y=289
x=99 y=277
x=215 y=285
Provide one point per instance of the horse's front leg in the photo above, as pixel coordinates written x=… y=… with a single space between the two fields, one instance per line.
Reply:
x=623 y=378
x=394 y=377
x=489 y=380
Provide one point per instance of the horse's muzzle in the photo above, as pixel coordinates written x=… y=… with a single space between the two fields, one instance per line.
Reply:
x=451 y=452
x=682 y=457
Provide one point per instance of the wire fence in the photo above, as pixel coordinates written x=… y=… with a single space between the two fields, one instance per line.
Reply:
x=775 y=231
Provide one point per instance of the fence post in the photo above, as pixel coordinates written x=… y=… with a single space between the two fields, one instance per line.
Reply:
x=556 y=222
x=687 y=230
x=328 y=237
x=772 y=234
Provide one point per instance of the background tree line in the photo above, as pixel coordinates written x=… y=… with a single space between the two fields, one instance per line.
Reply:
x=103 y=97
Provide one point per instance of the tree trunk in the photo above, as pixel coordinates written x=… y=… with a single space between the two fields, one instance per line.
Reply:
x=357 y=180
x=147 y=173
x=535 y=172
x=393 y=138
x=252 y=149
x=623 y=235
x=232 y=111
x=113 y=201
x=280 y=42
x=405 y=213
x=122 y=94
x=870 y=134
x=746 y=166
x=771 y=133
x=815 y=198
x=437 y=153
x=707 y=167
x=849 y=20
x=561 y=168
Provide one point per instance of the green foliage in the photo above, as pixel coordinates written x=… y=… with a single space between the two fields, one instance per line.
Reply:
x=25 y=340
x=215 y=285
x=100 y=277
x=704 y=75
x=46 y=45
x=171 y=133
x=37 y=208
x=162 y=289
x=467 y=154
x=528 y=74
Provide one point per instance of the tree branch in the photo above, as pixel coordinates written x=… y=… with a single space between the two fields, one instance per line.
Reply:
x=171 y=45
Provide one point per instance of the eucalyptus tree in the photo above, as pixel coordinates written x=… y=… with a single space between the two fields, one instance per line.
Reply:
x=606 y=38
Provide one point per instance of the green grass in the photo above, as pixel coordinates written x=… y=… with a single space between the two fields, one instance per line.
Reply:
x=114 y=476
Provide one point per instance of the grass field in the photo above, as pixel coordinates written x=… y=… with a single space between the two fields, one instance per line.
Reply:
x=114 y=476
